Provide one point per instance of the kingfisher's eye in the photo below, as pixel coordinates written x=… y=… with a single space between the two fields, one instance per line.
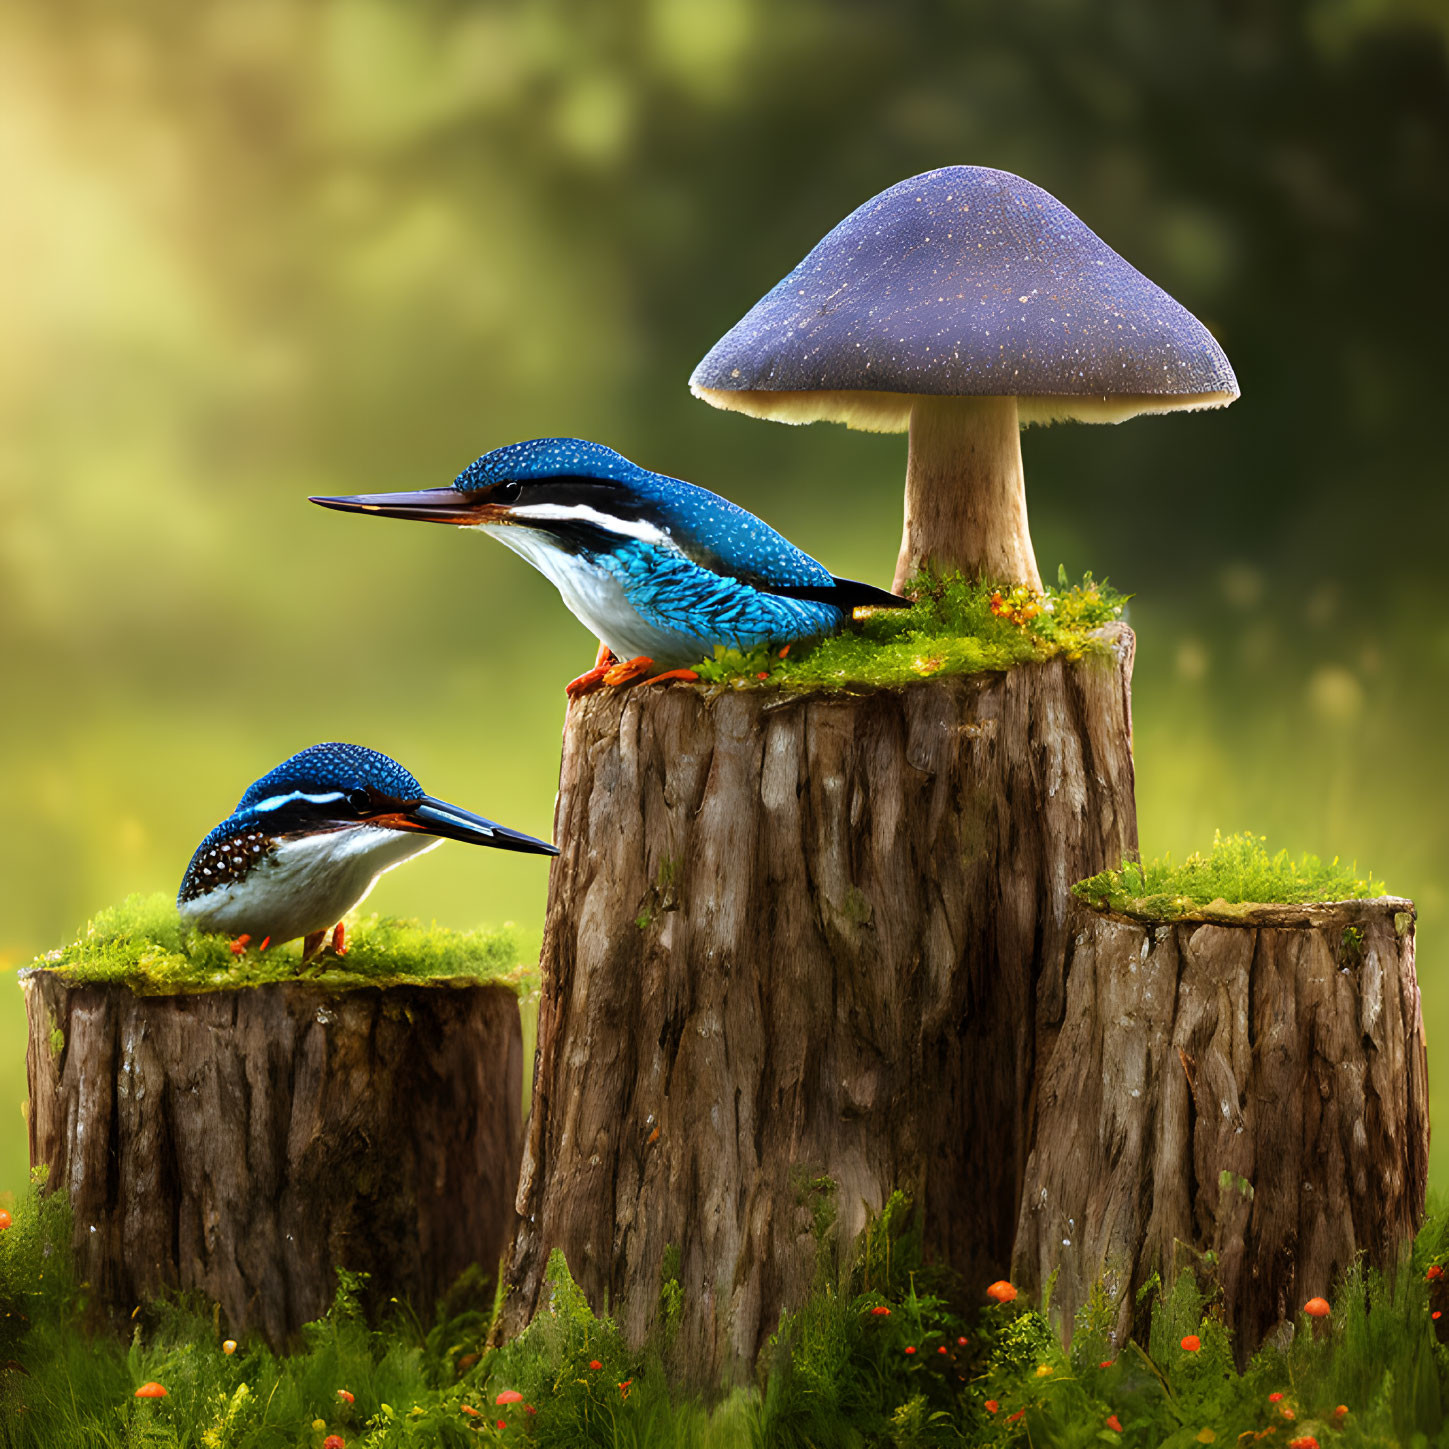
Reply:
x=510 y=492
x=360 y=801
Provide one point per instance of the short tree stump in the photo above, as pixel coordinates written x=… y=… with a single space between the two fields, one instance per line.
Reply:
x=246 y=1143
x=1244 y=1093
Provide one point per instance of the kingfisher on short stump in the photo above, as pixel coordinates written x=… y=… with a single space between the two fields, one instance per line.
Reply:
x=660 y=570
x=308 y=840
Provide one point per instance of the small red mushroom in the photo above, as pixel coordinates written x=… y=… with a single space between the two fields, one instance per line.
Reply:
x=151 y=1391
x=911 y=1348
x=1191 y=1343
x=509 y=1396
x=4 y=1220
x=334 y=1441
x=1001 y=1291
x=1114 y=1423
x=1275 y=1398
x=1303 y=1441
x=1317 y=1308
x=992 y=1406
x=1435 y=1271
x=943 y=1349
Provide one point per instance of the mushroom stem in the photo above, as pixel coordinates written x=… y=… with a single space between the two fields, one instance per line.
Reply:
x=965 y=493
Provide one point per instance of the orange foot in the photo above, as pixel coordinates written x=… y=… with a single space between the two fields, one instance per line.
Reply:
x=629 y=670
x=688 y=675
x=339 y=940
x=591 y=679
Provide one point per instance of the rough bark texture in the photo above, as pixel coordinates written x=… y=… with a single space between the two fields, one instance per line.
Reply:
x=245 y=1143
x=1281 y=1046
x=966 y=493
x=793 y=937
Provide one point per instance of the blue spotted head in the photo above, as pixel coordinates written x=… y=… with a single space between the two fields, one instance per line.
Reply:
x=308 y=839
x=573 y=496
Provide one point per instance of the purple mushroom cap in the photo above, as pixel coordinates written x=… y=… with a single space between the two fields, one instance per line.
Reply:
x=964 y=282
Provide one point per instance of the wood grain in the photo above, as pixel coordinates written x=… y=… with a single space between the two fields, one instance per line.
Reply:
x=794 y=937
x=242 y=1143
x=1286 y=1052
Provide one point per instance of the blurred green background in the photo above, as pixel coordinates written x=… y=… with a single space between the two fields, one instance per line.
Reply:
x=263 y=248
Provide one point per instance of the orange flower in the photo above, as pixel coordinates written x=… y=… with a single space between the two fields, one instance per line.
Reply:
x=151 y=1391
x=880 y=1311
x=1192 y=1343
x=943 y=1349
x=1287 y=1413
x=624 y=1388
x=1275 y=1398
x=1019 y=1414
x=471 y=1412
x=334 y=1441
x=501 y=1423
x=992 y=1406
x=1304 y=1441
x=911 y=1348
x=595 y=1364
x=1001 y=1291
x=1114 y=1423
x=1317 y=1308
x=1106 y=1363
x=344 y=1396
x=1341 y=1413
x=509 y=1396
x=1435 y=1271
x=1434 y=1314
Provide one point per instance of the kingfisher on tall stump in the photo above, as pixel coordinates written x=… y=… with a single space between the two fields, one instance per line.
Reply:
x=308 y=840
x=661 y=571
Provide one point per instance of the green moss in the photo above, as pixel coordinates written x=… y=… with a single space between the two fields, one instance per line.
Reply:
x=957 y=626
x=144 y=943
x=1238 y=870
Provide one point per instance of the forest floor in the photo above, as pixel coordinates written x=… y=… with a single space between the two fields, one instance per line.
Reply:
x=887 y=1352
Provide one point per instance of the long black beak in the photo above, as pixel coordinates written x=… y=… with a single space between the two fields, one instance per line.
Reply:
x=427 y=505
x=452 y=822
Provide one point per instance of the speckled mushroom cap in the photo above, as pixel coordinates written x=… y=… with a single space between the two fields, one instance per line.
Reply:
x=966 y=282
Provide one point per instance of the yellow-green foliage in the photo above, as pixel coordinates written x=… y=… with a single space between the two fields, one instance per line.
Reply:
x=1237 y=870
x=957 y=626
x=144 y=943
x=886 y=1352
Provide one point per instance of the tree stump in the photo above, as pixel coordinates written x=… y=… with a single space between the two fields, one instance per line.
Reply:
x=246 y=1143
x=795 y=937
x=1249 y=1083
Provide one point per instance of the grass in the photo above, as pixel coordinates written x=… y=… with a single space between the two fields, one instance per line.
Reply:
x=886 y=1353
x=957 y=626
x=1238 y=870
x=144 y=943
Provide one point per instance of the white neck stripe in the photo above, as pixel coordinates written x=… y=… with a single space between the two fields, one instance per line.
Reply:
x=625 y=527
x=275 y=802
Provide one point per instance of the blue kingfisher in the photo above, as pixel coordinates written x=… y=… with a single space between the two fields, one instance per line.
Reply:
x=660 y=570
x=307 y=842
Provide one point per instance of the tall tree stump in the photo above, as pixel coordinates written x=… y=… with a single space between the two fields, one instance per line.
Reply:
x=795 y=937
x=246 y=1143
x=1249 y=1083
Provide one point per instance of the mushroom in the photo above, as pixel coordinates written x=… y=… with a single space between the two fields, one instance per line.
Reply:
x=959 y=305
